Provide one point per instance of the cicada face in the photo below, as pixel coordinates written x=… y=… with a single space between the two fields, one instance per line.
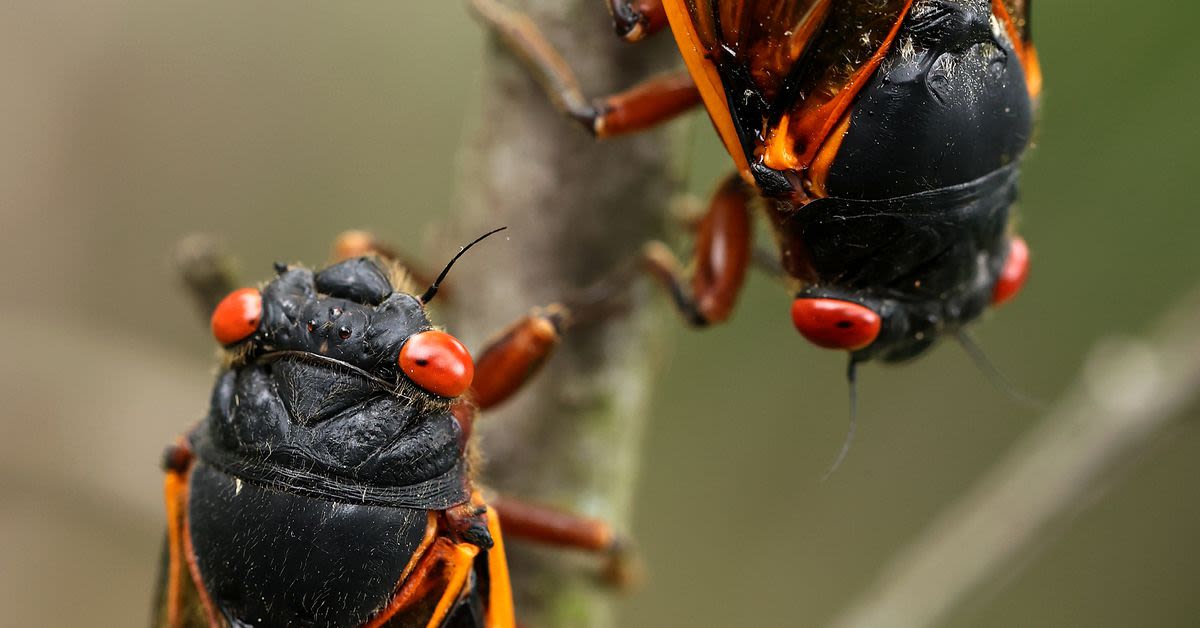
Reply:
x=339 y=380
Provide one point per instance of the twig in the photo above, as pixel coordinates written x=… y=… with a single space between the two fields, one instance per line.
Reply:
x=576 y=209
x=207 y=271
x=1129 y=391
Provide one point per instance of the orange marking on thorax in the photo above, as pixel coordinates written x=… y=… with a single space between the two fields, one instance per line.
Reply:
x=777 y=152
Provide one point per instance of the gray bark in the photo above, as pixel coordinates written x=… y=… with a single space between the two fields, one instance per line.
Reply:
x=576 y=209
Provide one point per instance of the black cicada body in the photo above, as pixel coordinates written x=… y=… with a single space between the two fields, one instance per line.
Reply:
x=321 y=487
x=886 y=137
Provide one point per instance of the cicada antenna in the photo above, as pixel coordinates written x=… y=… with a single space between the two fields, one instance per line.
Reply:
x=852 y=384
x=993 y=374
x=433 y=289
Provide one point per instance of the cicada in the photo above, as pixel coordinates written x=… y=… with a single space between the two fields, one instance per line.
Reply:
x=329 y=483
x=884 y=138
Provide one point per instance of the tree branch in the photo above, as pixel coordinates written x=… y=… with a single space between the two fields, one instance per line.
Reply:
x=1129 y=392
x=576 y=210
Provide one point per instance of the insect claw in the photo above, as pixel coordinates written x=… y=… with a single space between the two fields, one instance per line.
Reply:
x=629 y=24
x=590 y=117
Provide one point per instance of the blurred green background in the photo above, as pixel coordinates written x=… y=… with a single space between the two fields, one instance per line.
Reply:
x=128 y=123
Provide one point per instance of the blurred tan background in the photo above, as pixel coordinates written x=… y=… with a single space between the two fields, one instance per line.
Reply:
x=126 y=124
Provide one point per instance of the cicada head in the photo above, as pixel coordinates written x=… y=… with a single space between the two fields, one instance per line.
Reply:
x=895 y=325
x=336 y=373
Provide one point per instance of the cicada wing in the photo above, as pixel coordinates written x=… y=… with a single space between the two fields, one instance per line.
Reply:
x=1017 y=21
x=741 y=53
x=1017 y=12
x=185 y=598
x=776 y=75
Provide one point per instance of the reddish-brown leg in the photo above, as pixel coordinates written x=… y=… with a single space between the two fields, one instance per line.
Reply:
x=553 y=527
x=723 y=248
x=509 y=360
x=515 y=354
x=645 y=105
x=549 y=526
x=688 y=212
x=634 y=20
x=656 y=100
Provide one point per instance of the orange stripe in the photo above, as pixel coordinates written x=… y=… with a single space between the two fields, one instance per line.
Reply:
x=712 y=90
x=1026 y=53
x=824 y=159
x=175 y=491
x=1033 y=72
x=431 y=530
x=815 y=126
x=500 y=603
x=210 y=610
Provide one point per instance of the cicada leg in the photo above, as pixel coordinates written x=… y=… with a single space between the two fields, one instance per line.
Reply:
x=514 y=355
x=509 y=360
x=634 y=20
x=723 y=250
x=549 y=526
x=654 y=101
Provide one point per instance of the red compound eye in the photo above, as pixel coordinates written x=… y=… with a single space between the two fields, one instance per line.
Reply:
x=835 y=324
x=237 y=316
x=437 y=362
x=1012 y=276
